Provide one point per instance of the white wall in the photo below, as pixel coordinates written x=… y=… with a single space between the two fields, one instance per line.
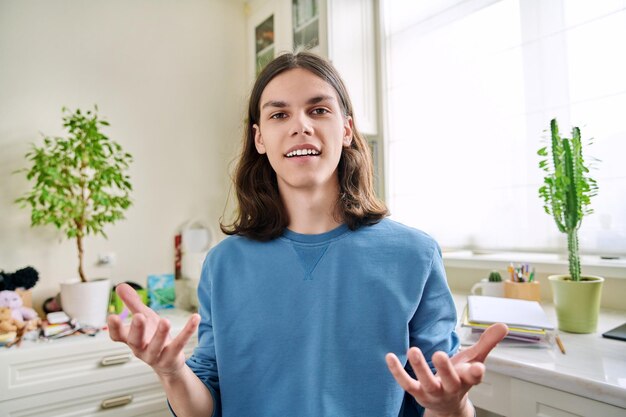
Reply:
x=170 y=78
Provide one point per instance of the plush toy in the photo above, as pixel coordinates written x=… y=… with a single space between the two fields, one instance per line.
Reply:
x=22 y=278
x=12 y=300
x=7 y=322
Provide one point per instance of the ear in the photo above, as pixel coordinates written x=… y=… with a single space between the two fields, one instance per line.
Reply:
x=347 y=131
x=258 y=139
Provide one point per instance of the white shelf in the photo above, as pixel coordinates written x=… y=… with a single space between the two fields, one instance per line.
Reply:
x=543 y=262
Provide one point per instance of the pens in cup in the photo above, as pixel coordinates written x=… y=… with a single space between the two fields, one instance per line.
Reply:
x=521 y=273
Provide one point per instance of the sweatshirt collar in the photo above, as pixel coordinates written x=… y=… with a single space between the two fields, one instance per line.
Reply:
x=316 y=238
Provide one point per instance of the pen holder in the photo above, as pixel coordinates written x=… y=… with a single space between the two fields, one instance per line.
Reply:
x=522 y=290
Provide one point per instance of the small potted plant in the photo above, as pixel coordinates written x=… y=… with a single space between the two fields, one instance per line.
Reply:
x=491 y=286
x=80 y=186
x=494 y=276
x=566 y=191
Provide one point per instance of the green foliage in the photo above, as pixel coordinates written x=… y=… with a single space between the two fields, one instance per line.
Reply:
x=80 y=181
x=494 y=276
x=567 y=188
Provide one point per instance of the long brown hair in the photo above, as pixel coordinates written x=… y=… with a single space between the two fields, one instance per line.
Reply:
x=261 y=214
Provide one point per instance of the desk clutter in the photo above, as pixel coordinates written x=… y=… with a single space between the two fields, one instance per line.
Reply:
x=521 y=284
x=527 y=321
x=17 y=317
x=19 y=321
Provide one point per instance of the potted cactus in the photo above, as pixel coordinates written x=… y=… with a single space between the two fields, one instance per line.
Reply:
x=566 y=192
x=80 y=186
x=494 y=276
x=491 y=286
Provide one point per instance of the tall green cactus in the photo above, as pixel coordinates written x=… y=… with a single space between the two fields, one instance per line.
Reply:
x=567 y=189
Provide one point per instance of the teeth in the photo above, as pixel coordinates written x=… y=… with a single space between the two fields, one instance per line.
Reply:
x=301 y=152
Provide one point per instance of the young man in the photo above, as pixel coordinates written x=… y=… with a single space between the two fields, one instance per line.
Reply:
x=301 y=306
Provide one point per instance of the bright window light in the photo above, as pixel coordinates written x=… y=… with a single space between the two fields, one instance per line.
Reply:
x=471 y=87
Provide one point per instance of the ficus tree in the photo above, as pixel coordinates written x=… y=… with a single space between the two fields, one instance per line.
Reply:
x=79 y=182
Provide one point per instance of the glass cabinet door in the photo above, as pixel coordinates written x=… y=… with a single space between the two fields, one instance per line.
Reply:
x=264 y=43
x=305 y=23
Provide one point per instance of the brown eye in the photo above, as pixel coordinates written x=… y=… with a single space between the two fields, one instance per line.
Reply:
x=320 y=111
x=278 y=116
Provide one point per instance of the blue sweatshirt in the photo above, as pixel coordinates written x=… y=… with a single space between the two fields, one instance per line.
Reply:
x=300 y=325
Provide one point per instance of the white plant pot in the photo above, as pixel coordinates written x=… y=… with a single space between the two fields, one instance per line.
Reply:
x=86 y=302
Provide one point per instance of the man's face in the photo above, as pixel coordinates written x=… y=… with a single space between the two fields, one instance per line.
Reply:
x=302 y=129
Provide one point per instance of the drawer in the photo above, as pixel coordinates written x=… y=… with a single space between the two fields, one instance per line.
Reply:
x=68 y=364
x=537 y=400
x=493 y=393
x=129 y=397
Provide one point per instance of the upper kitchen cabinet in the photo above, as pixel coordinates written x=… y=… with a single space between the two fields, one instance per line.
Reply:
x=267 y=33
x=342 y=30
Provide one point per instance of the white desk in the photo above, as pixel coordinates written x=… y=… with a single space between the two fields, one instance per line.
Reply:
x=82 y=376
x=589 y=380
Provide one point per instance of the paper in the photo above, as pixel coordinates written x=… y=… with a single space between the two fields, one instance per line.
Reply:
x=510 y=311
x=520 y=331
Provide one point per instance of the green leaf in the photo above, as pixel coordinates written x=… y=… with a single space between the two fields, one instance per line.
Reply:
x=68 y=176
x=567 y=188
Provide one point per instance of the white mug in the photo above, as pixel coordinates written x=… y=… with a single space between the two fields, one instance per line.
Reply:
x=488 y=288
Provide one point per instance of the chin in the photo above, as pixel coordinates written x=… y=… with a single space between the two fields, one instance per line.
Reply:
x=307 y=183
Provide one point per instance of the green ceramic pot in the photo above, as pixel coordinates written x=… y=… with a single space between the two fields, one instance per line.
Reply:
x=577 y=303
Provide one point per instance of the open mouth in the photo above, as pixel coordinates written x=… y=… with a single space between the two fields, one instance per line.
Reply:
x=302 y=152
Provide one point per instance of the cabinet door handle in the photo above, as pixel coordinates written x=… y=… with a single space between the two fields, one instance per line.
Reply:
x=115 y=359
x=116 y=402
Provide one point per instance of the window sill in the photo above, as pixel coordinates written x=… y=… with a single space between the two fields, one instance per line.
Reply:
x=543 y=262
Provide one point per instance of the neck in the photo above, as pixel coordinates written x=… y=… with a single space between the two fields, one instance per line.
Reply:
x=311 y=211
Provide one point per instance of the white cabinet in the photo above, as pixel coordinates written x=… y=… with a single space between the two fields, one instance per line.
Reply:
x=268 y=32
x=530 y=400
x=512 y=397
x=493 y=394
x=346 y=34
x=526 y=381
x=80 y=376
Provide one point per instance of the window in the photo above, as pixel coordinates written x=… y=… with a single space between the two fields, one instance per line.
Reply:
x=471 y=87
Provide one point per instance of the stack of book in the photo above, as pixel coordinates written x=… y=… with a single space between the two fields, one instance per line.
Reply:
x=527 y=321
x=58 y=324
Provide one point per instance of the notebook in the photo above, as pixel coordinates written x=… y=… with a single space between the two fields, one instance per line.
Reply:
x=511 y=311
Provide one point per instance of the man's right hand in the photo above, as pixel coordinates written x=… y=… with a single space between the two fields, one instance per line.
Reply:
x=148 y=335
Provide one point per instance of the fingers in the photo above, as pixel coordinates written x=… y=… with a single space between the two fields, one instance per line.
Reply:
x=137 y=338
x=488 y=340
x=117 y=331
x=426 y=381
x=132 y=300
x=183 y=337
x=159 y=339
x=422 y=370
x=401 y=376
x=450 y=379
x=471 y=373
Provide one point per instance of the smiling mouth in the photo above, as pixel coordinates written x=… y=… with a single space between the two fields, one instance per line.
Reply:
x=302 y=152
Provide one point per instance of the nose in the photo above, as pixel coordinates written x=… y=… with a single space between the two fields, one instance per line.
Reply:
x=301 y=126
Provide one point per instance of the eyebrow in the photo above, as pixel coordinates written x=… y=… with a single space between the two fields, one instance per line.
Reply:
x=282 y=104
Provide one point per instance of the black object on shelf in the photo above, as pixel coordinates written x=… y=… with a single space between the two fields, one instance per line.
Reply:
x=618 y=333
